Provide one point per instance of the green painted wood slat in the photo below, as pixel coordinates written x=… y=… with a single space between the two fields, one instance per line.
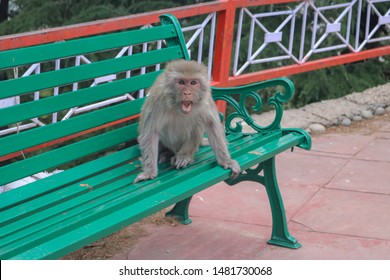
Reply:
x=37 y=201
x=54 y=158
x=86 y=45
x=106 y=224
x=66 y=76
x=44 y=134
x=21 y=196
x=113 y=195
x=89 y=199
x=68 y=100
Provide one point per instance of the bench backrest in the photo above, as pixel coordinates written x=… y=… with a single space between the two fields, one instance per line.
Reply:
x=77 y=87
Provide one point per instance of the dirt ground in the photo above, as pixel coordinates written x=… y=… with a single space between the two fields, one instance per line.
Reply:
x=124 y=239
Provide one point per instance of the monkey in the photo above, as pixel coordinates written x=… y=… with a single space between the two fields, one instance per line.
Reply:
x=178 y=110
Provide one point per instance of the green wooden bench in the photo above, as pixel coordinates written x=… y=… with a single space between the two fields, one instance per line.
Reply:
x=94 y=196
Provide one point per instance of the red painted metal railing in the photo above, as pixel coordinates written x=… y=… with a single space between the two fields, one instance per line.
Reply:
x=226 y=14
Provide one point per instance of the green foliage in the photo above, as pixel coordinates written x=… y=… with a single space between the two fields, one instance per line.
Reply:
x=39 y=14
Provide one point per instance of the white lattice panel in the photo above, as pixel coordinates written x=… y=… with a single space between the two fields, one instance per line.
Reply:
x=295 y=33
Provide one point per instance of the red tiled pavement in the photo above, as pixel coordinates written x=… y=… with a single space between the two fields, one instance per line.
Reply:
x=337 y=201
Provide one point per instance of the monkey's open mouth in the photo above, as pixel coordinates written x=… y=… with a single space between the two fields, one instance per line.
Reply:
x=186 y=106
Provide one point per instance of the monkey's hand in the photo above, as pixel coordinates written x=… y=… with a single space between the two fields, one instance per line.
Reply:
x=234 y=166
x=146 y=175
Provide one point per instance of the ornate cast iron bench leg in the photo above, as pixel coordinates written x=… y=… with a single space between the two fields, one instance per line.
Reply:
x=280 y=234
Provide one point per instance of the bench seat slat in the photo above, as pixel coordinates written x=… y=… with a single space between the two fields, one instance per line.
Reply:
x=157 y=200
x=61 y=200
x=75 y=47
x=45 y=206
x=20 y=197
x=38 y=200
x=269 y=150
x=34 y=137
x=112 y=194
x=65 y=206
x=84 y=72
x=66 y=154
x=119 y=193
x=23 y=195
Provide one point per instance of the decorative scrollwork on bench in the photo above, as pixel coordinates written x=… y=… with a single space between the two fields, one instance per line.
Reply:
x=248 y=92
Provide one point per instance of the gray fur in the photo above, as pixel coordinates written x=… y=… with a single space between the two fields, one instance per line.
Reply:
x=164 y=128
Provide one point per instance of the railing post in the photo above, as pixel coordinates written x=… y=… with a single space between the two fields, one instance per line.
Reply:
x=223 y=47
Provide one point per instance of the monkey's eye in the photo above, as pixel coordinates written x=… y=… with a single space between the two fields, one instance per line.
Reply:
x=181 y=82
x=194 y=82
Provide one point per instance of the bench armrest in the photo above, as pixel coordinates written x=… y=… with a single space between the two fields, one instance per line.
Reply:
x=246 y=92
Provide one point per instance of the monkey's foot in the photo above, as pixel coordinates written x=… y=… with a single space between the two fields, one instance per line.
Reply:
x=181 y=161
x=147 y=175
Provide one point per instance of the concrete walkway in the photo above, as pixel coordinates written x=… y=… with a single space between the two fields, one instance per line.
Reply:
x=337 y=201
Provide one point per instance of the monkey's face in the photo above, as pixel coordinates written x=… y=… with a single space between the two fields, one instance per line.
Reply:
x=189 y=93
x=186 y=84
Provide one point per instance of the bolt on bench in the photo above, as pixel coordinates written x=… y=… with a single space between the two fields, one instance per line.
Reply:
x=95 y=196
